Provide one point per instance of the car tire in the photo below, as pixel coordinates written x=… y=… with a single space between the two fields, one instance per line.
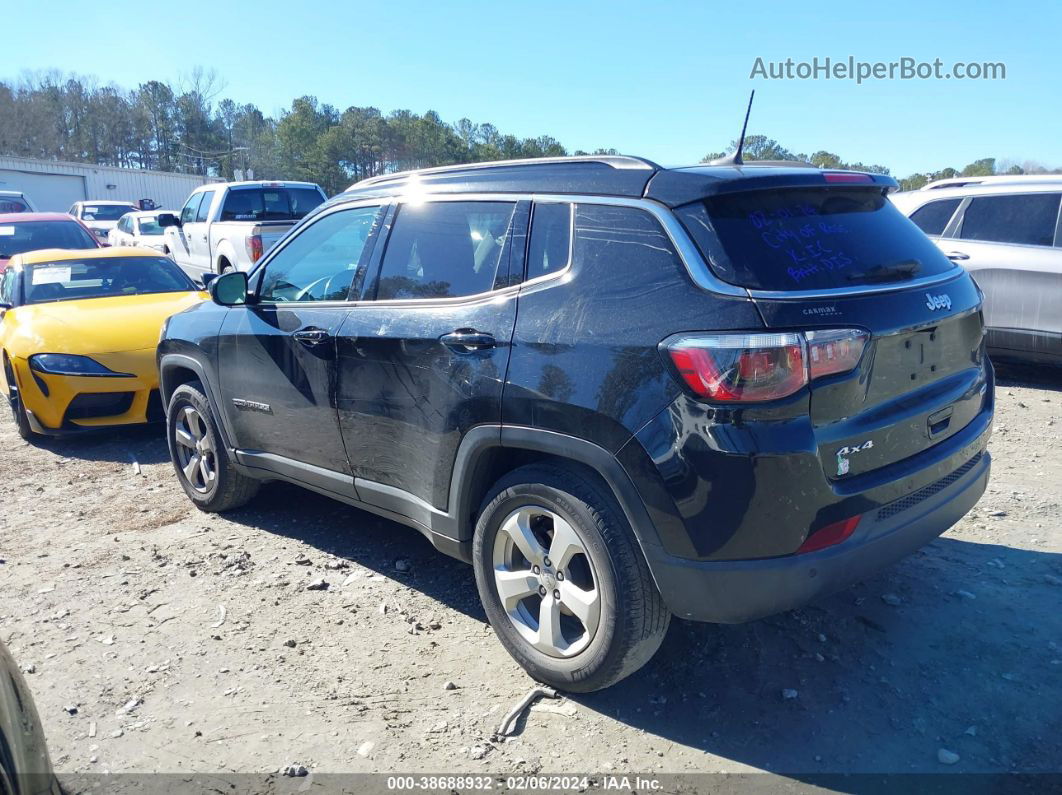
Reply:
x=199 y=456
x=604 y=618
x=18 y=411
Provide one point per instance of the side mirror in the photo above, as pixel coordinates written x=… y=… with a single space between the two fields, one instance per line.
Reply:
x=168 y=219
x=229 y=289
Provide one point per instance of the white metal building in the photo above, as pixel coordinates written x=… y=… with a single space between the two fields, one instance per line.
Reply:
x=54 y=185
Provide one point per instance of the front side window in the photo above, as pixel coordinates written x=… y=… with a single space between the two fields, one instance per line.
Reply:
x=71 y=280
x=204 y=207
x=551 y=235
x=322 y=261
x=809 y=239
x=19 y=237
x=446 y=250
x=191 y=207
x=1028 y=219
x=933 y=218
x=7 y=287
x=150 y=226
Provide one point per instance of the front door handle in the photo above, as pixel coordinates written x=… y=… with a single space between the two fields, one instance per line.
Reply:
x=468 y=340
x=312 y=337
x=956 y=256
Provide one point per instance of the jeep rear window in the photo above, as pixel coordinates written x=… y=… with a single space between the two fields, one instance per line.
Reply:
x=810 y=238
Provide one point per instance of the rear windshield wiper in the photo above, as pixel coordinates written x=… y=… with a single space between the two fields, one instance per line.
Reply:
x=896 y=272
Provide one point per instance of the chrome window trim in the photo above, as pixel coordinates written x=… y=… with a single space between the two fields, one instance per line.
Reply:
x=695 y=264
x=690 y=255
x=866 y=289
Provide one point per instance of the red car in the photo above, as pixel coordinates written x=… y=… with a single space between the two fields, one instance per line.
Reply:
x=21 y=232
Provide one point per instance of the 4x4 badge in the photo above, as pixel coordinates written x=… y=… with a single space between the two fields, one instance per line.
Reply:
x=842 y=455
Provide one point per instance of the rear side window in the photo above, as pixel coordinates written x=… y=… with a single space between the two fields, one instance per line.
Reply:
x=551 y=237
x=13 y=204
x=933 y=218
x=809 y=238
x=1028 y=220
x=625 y=240
x=204 y=207
x=446 y=250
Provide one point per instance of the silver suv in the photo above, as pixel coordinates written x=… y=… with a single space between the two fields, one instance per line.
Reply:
x=1008 y=233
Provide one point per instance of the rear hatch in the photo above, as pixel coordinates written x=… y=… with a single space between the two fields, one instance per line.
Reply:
x=840 y=256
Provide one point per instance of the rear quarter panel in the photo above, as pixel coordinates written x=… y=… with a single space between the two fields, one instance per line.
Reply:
x=585 y=360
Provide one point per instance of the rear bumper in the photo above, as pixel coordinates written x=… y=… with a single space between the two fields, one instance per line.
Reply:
x=730 y=592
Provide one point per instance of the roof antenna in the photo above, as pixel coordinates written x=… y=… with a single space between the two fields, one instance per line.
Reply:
x=735 y=159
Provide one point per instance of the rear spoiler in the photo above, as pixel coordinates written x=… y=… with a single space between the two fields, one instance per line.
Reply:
x=677 y=187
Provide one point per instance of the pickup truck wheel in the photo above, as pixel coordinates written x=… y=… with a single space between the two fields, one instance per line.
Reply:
x=562 y=579
x=199 y=457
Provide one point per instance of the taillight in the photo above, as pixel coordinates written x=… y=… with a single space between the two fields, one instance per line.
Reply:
x=829 y=535
x=751 y=368
x=834 y=351
x=741 y=367
x=254 y=247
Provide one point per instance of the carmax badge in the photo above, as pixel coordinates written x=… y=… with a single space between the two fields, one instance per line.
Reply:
x=935 y=302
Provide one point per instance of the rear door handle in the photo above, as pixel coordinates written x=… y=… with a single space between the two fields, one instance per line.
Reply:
x=312 y=337
x=956 y=256
x=468 y=340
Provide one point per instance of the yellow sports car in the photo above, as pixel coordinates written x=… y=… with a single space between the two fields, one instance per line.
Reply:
x=78 y=331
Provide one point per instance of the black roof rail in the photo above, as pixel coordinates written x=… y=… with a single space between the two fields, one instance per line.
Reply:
x=614 y=161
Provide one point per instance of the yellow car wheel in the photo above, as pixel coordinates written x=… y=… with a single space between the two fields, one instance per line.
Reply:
x=18 y=412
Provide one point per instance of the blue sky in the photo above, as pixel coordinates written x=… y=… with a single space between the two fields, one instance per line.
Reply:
x=666 y=80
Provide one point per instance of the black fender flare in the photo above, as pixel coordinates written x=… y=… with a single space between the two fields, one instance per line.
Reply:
x=482 y=438
x=169 y=362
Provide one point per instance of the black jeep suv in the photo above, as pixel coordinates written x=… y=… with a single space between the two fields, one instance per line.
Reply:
x=620 y=391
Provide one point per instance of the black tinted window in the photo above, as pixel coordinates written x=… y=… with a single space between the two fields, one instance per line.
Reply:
x=269 y=204
x=446 y=249
x=550 y=248
x=69 y=280
x=320 y=263
x=932 y=218
x=625 y=240
x=809 y=238
x=13 y=204
x=1028 y=219
x=16 y=238
x=105 y=212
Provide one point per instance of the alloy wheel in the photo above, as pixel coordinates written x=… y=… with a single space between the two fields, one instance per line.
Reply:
x=546 y=581
x=196 y=455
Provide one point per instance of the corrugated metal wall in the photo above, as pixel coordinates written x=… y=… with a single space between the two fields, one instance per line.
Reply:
x=49 y=185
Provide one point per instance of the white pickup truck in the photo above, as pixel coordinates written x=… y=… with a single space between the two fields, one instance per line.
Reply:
x=230 y=225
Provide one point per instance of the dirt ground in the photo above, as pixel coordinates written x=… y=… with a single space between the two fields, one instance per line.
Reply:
x=189 y=642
